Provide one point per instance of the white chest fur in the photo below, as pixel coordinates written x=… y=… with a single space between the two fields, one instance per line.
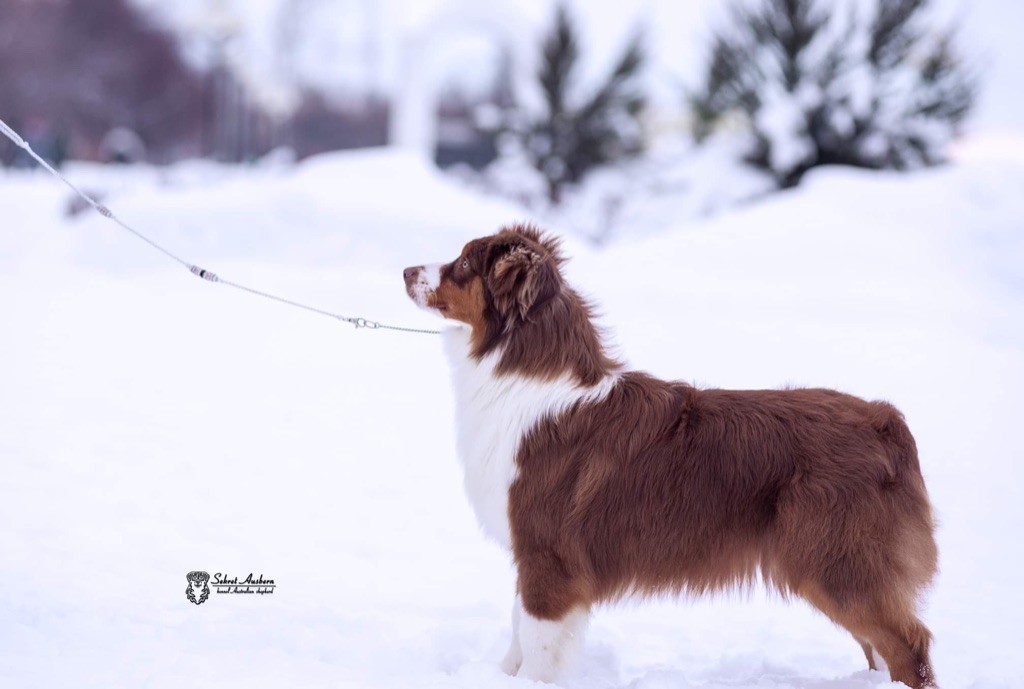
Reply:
x=492 y=415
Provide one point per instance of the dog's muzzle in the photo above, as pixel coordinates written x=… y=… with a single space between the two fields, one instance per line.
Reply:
x=421 y=282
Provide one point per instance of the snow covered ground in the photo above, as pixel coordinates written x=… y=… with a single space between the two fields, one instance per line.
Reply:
x=152 y=424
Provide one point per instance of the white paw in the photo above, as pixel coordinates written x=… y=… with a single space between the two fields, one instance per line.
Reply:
x=550 y=646
x=511 y=663
x=539 y=672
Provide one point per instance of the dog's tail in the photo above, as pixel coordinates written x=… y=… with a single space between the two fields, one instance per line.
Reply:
x=906 y=490
x=900 y=446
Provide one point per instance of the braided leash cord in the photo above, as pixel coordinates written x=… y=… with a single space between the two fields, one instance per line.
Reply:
x=202 y=273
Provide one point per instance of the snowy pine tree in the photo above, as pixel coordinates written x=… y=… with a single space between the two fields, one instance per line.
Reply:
x=862 y=84
x=571 y=135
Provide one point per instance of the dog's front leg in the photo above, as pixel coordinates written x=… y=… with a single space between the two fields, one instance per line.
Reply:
x=550 y=646
x=514 y=657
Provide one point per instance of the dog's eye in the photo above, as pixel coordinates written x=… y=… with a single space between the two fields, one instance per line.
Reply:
x=464 y=264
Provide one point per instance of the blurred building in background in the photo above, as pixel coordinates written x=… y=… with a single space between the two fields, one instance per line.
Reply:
x=455 y=66
x=71 y=71
x=232 y=81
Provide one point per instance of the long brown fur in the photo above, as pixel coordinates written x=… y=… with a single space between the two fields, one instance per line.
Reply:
x=663 y=487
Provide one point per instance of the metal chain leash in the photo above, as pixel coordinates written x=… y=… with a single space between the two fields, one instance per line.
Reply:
x=202 y=273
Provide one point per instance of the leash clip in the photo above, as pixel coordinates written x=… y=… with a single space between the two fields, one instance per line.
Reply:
x=204 y=274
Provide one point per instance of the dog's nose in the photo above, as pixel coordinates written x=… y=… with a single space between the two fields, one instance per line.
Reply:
x=409 y=273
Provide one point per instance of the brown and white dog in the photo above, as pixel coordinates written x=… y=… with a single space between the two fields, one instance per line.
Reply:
x=605 y=482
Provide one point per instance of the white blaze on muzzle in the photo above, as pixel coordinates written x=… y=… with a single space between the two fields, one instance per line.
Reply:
x=426 y=283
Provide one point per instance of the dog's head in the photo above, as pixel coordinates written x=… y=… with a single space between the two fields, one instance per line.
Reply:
x=496 y=284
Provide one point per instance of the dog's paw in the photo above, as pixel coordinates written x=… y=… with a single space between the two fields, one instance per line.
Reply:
x=512 y=661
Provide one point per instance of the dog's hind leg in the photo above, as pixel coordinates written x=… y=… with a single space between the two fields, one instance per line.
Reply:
x=894 y=633
x=819 y=600
x=874 y=660
x=903 y=643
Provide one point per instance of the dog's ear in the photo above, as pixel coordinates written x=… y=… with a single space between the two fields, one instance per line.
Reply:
x=521 y=278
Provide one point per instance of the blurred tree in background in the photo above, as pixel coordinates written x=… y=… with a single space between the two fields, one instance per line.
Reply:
x=100 y=80
x=77 y=69
x=573 y=133
x=814 y=82
x=821 y=83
